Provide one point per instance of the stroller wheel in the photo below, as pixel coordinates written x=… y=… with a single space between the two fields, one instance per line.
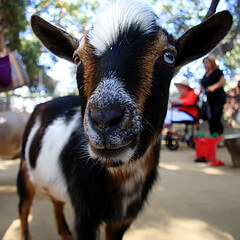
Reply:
x=172 y=144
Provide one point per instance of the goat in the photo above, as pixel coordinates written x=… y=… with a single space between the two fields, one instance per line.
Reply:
x=12 y=126
x=100 y=150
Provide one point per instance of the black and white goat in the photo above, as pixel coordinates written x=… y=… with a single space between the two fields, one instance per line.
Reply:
x=100 y=150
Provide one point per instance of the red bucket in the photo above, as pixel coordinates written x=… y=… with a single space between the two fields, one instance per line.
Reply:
x=206 y=147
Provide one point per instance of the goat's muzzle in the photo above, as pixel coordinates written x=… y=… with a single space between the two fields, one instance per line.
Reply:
x=112 y=123
x=110 y=133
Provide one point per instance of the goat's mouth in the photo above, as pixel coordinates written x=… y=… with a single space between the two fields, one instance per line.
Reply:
x=109 y=152
x=113 y=156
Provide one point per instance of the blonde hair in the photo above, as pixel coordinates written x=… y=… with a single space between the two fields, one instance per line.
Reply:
x=212 y=61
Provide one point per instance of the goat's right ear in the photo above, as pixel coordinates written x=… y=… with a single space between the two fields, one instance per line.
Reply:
x=201 y=39
x=55 y=39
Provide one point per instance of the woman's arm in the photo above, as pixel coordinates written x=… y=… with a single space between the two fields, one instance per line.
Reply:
x=189 y=100
x=217 y=85
x=175 y=101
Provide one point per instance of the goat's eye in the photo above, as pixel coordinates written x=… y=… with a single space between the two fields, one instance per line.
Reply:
x=77 y=60
x=169 y=57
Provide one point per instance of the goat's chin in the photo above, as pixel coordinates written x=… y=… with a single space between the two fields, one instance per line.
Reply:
x=113 y=157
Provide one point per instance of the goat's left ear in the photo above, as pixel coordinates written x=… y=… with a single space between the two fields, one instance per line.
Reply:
x=55 y=39
x=201 y=39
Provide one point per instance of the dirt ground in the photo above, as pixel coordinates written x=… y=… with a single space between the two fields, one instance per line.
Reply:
x=189 y=201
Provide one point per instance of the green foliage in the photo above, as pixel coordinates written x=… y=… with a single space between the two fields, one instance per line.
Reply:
x=30 y=51
x=232 y=54
x=14 y=23
x=232 y=58
x=71 y=15
x=12 y=15
x=182 y=14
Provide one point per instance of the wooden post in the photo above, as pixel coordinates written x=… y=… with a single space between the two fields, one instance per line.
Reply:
x=232 y=143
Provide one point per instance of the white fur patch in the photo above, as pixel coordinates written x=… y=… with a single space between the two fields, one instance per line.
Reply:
x=31 y=136
x=47 y=174
x=116 y=18
x=133 y=189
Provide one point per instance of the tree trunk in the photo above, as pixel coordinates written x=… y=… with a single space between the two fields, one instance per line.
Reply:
x=3 y=48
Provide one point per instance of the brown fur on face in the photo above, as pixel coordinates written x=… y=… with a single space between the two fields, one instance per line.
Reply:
x=86 y=53
x=147 y=65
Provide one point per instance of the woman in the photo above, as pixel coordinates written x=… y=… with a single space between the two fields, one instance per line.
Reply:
x=186 y=103
x=213 y=81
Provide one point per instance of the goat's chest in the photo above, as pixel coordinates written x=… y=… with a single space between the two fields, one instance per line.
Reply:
x=125 y=188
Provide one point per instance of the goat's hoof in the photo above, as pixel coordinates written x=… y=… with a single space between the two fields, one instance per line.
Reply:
x=26 y=236
x=68 y=237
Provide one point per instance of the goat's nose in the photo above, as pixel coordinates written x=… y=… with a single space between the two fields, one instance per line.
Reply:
x=107 y=119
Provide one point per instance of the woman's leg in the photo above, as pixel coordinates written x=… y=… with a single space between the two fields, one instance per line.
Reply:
x=215 y=124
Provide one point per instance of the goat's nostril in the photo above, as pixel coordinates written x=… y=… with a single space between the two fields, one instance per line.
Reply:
x=115 y=120
x=106 y=118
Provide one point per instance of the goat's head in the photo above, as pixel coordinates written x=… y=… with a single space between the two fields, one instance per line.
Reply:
x=125 y=63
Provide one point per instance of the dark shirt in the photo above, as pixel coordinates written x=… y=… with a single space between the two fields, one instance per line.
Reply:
x=218 y=95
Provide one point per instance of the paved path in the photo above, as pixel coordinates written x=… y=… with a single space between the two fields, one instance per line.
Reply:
x=190 y=201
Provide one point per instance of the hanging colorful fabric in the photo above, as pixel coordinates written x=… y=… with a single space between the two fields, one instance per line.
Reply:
x=5 y=72
x=18 y=71
x=11 y=66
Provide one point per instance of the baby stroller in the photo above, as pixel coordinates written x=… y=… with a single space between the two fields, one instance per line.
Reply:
x=185 y=133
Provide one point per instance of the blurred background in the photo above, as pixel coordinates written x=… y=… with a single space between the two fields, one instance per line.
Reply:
x=49 y=76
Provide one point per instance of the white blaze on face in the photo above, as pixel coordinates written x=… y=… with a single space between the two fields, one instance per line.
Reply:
x=116 y=18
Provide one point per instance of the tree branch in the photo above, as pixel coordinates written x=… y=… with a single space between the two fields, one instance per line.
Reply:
x=212 y=9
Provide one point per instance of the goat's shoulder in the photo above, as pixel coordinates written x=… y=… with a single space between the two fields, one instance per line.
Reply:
x=57 y=113
x=57 y=107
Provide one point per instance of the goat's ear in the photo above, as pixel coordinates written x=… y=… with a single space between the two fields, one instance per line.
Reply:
x=55 y=39
x=201 y=39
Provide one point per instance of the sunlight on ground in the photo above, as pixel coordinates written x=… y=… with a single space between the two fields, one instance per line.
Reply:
x=169 y=166
x=5 y=164
x=199 y=167
x=8 y=189
x=213 y=171
x=187 y=229
x=13 y=232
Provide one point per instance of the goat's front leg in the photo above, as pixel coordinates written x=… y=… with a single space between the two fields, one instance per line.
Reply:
x=86 y=229
x=26 y=192
x=62 y=226
x=116 y=230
